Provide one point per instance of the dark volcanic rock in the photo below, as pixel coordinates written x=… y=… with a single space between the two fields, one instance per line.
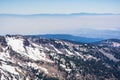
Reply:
x=3 y=41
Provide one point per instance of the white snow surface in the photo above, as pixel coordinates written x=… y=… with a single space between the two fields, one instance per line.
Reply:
x=70 y=53
x=9 y=68
x=90 y=57
x=56 y=50
x=16 y=44
x=38 y=67
x=63 y=66
x=115 y=44
x=29 y=51
x=110 y=56
x=80 y=54
x=35 y=53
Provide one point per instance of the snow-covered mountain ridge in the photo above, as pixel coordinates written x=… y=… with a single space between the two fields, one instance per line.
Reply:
x=36 y=58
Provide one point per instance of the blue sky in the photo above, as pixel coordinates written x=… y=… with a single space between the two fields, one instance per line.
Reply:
x=59 y=6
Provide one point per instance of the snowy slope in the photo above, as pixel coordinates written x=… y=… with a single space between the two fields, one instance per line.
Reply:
x=28 y=58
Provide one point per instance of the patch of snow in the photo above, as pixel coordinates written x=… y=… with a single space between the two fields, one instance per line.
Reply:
x=86 y=57
x=90 y=57
x=68 y=70
x=57 y=50
x=36 y=54
x=70 y=53
x=110 y=56
x=79 y=54
x=38 y=67
x=63 y=66
x=59 y=42
x=36 y=45
x=44 y=69
x=9 y=68
x=2 y=77
x=115 y=44
x=16 y=44
x=47 y=48
x=83 y=49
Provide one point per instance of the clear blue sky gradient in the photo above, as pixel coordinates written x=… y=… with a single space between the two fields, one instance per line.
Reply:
x=59 y=6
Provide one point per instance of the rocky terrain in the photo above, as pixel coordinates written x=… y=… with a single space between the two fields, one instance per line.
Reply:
x=36 y=58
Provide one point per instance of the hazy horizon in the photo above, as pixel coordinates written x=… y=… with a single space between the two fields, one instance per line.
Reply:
x=86 y=18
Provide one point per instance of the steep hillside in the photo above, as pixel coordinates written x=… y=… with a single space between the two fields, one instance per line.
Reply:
x=36 y=58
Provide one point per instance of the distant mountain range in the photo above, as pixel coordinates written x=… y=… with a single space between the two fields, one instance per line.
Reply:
x=71 y=14
x=69 y=38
